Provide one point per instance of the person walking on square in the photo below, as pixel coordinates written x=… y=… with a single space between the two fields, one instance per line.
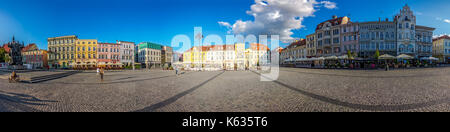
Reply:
x=176 y=70
x=102 y=72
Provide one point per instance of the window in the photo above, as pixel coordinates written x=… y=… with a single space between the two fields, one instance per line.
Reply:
x=407 y=25
x=336 y=40
x=336 y=31
x=327 y=41
x=400 y=25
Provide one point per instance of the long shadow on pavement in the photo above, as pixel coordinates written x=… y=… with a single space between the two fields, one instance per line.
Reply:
x=126 y=81
x=176 y=97
x=362 y=106
x=19 y=101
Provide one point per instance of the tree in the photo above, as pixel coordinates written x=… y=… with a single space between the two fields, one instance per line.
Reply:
x=2 y=55
x=349 y=54
x=377 y=54
x=8 y=59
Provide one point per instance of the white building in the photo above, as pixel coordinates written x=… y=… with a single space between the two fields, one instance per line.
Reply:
x=126 y=50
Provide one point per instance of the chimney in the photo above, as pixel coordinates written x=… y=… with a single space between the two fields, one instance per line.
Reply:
x=387 y=19
x=379 y=19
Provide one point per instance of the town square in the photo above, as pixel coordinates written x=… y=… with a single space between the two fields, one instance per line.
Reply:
x=260 y=56
x=296 y=90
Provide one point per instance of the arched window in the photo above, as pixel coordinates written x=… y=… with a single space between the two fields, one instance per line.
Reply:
x=410 y=48
x=402 y=48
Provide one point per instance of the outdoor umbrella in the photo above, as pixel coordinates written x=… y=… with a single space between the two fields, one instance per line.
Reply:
x=404 y=56
x=343 y=57
x=386 y=57
x=331 y=58
x=429 y=58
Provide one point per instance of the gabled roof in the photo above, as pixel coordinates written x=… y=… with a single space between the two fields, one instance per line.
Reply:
x=30 y=47
x=334 y=22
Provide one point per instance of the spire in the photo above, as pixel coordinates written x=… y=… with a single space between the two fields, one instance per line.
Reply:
x=13 y=38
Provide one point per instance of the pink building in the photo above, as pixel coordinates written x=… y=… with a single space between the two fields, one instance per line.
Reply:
x=108 y=55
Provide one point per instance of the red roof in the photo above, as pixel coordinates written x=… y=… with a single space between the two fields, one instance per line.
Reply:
x=442 y=37
x=259 y=47
x=334 y=22
x=297 y=43
x=29 y=47
x=7 y=49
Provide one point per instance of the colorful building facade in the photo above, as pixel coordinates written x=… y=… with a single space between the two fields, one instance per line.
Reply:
x=150 y=54
x=86 y=54
x=126 y=52
x=228 y=57
x=62 y=51
x=38 y=59
x=441 y=48
x=109 y=55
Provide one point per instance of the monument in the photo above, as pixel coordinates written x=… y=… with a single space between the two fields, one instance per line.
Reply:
x=15 y=53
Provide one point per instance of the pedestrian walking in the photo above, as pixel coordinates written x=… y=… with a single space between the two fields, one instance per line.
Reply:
x=176 y=70
x=102 y=72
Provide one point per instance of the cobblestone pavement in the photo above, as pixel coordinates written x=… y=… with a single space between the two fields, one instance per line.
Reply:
x=296 y=90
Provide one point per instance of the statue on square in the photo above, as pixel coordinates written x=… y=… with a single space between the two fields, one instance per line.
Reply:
x=15 y=52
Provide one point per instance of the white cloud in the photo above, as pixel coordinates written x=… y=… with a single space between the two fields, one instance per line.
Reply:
x=329 y=5
x=226 y=24
x=447 y=21
x=277 y=17
x=444 y=20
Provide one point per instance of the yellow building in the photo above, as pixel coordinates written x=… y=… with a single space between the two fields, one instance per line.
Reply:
x=229 y=57
x=86 y=53
x=62 y=51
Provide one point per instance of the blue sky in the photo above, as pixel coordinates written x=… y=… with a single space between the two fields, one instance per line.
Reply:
x=33 y=21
